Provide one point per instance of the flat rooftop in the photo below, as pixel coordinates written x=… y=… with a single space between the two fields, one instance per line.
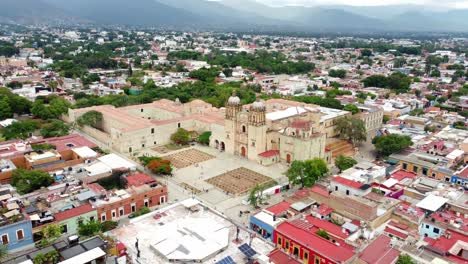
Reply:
x=186 y=232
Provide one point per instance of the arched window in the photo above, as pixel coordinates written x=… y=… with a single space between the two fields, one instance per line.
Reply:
x=244 y=129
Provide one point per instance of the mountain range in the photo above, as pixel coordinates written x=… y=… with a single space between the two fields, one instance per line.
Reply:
x=245 y=15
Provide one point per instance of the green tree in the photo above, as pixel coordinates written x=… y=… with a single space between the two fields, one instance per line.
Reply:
x=307 y=172
x=50 y=233
x=21 y=129
x=56 y=128
x=181 y=137
x=256 y=195
x=351 y=108
x=459 y=125
x=91 y=118
x=366 y=52
x=5 y=109
x=351 y=128
x=40 y=258
x=40 y=110
x=52 y=256
x=344 y=162
x=28 y=181
x=393 y=143
x=337 y=73
x=89 y=228
x=405 y=259
x=417 y=112
x=204 y=138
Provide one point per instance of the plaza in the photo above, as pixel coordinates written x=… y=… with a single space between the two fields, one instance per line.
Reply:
x=239 y=181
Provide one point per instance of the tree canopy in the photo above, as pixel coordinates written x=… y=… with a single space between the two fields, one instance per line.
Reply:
x=351 y=128
x=307 y=172
x=27 y=181
x=21 y=129
x=91 y=118
x=181 y=137
x=393 y=143
x=396 y=81
x=344 y=162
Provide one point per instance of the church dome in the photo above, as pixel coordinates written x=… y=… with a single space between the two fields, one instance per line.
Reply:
x=258 y=105
x=234 y=100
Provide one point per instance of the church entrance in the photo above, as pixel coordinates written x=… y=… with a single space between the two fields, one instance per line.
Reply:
x=223 y=147
x=243 y=152
x=288 y=158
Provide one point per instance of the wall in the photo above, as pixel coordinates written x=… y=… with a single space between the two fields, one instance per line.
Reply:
x=72 y=223
x=14 y=243
x=430 y=230
x=153 y=197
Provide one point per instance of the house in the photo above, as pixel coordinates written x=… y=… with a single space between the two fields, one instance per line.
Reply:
x=69 y=219
x=349 y=187
x=16 y=236
x=299 y=240
x=142 y=191
x=265 y=221
x=379 y=251
x=451 y=245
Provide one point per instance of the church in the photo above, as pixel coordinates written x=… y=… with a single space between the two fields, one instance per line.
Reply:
x=267 y=132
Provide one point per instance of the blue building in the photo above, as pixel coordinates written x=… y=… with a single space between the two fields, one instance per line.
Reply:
x=432 y=230
x=17 y=236
x=459 y=180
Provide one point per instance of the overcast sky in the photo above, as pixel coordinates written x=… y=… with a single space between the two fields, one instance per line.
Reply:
x=431 y=3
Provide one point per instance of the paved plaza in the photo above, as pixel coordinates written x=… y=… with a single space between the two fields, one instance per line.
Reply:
x=239 y=181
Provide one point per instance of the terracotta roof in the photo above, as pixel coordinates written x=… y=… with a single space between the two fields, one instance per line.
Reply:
x=379 y=252
x=67 y=142
x=331 y=228
x=401 y=175
x=279 y=257
x=349 y=183
x=278 y=208
x=320 y=190
x=324 y=209
x=443 y=243
x=395 y=232
x=269 y=153
x=464 y=172
x=74 y=212
x=139 y=179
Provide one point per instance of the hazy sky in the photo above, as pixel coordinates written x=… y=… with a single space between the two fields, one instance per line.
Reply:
x=431 y=3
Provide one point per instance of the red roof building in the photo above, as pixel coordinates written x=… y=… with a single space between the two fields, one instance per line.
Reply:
x=451 y=244
x=301 y=242
x=278 y=208
x=139 y=179
x=379 y=252
x=74 y=212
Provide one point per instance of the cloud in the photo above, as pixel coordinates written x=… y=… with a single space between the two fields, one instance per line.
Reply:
x=431 y=3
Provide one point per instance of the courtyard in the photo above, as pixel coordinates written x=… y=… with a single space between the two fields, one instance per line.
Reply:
x=239 y=181
x=188 y=158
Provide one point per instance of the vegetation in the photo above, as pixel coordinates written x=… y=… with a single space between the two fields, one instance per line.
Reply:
x=22 y=129
x=50 y=233
x=44 y=146
x=393 y=143
x=307 y=172
x=405 y=259
x=344 y=162
x=204 y=138
x=181 y=137
x=92 y=227
x=52 y=107
x=323 y=233
x=144 y=210
x=51 y=257
x=459 y=125
x=352 y=129
x=205 y=74
x=325 y=102
x=337 y=73
x=91 y=118
x=115 y=181
x=3 y=251
x=261 y=61
x=351 y=108
x=335 y=92
x=417 y=112
x=256 y=195
x=160 y=166
x=396 y=81
x=28 y=181
x=56 y=128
